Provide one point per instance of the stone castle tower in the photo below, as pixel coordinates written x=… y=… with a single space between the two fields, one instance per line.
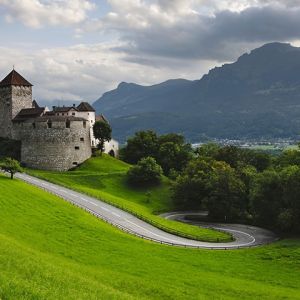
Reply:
x=15 y=95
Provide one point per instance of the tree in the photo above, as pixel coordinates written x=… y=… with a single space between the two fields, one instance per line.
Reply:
x=11 y=166
x=208 y=150
x=266 y=197
x=146 y=172
x=191 y=189
x=227 y=198
x=142 y=144
x=102 y=132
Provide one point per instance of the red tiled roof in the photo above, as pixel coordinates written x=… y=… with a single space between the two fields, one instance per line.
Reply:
x=14 y=78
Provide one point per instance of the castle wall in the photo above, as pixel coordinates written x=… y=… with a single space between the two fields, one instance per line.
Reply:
x=5 y=112
x=57 y=148
x=12 y=100
x=90 y=116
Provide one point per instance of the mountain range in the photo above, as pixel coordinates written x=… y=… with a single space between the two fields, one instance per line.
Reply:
x=258 y=96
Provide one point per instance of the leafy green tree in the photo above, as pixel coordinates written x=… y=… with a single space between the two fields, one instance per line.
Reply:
x=208 y=150
x=192 y=187
x=169 y=150
x=146 y=172
x=227 y=198
x=11 y=166
x=142 y=144
x=288 y=158
x=266 y=196
x=102 y=132
x=289 y=217
x=173 y=156
x=258 y=159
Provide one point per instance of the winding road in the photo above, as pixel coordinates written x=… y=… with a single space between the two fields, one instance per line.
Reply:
x=245 y=236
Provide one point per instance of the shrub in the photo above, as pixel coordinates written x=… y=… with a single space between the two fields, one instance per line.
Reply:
x=146 y=172
x=10 y=166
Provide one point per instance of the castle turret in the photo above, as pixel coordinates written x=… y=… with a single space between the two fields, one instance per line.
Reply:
x=15 y=95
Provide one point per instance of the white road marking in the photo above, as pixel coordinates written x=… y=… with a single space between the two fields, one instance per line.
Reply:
x=104 y=208
x=115 y=214
x=162 y=237
x=67 y=193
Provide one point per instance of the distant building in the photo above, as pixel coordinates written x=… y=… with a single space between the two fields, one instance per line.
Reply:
x=52 y=140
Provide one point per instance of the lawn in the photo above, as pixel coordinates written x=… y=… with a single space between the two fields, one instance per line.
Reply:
x=105 y=178
x=50 y=249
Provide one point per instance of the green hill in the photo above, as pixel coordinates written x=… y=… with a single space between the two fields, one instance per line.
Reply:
x=105 y=178
x=50 y=249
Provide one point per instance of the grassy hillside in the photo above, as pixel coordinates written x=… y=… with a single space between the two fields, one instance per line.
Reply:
x=50 y=249
x=105 y=178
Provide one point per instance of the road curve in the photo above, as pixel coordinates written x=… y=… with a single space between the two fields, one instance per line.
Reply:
x=244 y=235
x=124 y=220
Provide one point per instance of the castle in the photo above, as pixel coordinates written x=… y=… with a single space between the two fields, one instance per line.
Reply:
x=59 y=139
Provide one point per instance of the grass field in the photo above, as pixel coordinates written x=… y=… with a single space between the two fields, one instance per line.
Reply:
x=105 y=178
x=50 y=249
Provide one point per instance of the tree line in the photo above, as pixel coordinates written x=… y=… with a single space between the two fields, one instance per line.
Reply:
x=231 y=183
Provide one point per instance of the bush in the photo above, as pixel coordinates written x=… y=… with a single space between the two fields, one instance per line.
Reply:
x=146 y=172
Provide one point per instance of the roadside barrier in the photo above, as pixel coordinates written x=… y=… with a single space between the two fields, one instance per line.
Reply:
x=132 y=232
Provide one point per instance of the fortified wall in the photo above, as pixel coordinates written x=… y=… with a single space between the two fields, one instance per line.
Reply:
x=57 y=140
x=54 y=143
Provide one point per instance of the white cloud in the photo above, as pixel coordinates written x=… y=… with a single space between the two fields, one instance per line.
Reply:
x=85 y=72
x=38 y=13
x=197 y=29
x=147 y=41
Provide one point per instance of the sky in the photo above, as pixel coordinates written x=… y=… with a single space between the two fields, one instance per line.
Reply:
x=76 y=50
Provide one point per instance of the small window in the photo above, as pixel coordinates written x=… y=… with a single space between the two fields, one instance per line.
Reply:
x=84 y=124
x=76 y=147
x=73 y=114
x=49 y=124
x=68 y=124
x=63 y=114
x=75 y=163
x=81 y=139
x=33 y=125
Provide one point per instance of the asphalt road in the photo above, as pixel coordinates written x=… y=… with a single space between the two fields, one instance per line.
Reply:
x=244 y=235
x=131 y=224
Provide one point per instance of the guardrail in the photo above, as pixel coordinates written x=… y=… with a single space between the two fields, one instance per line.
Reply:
x=132 y=232
x=151 y=222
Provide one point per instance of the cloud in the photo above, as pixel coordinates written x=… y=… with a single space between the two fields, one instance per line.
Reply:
x=85 y=72
x=142 y=41
x=197 y=29
x=38 y=13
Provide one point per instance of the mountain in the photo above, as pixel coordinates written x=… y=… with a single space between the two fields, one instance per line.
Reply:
x=258 y=96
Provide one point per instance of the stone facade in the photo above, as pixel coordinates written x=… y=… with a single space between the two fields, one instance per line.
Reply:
x=61 y=147
x=12 y=100
x=51 y=140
